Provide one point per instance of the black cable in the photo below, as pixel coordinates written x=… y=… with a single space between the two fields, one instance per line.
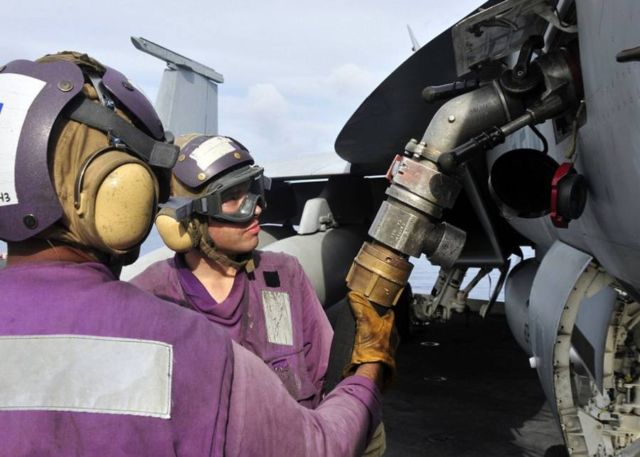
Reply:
x=545 y=145
x=562 y=22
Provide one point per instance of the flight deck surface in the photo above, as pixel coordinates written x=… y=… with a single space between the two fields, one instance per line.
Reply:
x=465 y=389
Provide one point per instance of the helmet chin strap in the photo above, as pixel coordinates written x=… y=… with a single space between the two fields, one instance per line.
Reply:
x=204 y=243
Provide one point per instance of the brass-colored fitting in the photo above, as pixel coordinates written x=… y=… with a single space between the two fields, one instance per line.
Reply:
x=379 y=273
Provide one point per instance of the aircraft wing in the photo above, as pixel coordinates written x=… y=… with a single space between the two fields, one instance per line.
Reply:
x=307 y=166
x=392 y=114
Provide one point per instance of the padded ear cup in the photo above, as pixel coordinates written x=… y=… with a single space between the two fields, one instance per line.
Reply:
x=116 y=201
x=174 y=234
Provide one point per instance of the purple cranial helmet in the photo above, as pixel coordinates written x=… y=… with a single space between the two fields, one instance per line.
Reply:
x=204 y=157
x=35 y=99
x=215 y=178
x=208 y=168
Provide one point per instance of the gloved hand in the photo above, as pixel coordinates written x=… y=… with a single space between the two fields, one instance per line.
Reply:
x=376 y=338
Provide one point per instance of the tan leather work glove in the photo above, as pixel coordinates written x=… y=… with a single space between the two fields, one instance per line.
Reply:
x=376 y=339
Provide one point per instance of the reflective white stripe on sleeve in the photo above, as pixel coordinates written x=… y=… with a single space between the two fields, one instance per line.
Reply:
x=277 y=315
x=86 y=373
x=17 y=93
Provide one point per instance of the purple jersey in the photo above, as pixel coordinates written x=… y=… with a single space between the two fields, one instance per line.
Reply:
x=119 y=372
x=94 y=366
x=274 y=312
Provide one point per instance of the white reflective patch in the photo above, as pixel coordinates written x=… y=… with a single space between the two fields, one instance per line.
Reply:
x=17 y=93
x=277 y=315
x=211 y=150
x=86 y=373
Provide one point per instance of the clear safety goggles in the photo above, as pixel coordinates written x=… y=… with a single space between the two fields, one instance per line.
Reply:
x=232 y=198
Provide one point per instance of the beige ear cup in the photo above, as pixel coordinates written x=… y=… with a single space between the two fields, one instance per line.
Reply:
x=174 y=233
x=117 y=201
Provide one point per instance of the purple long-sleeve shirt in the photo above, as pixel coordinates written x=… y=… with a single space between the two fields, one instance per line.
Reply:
x=274 y=312
x=337 y=427
x=94 y=366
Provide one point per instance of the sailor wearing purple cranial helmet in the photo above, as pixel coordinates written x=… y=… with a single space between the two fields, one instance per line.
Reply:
x=94 y=366
x=264 y=299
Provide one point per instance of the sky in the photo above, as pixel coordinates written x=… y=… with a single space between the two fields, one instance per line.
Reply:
x=294 y=71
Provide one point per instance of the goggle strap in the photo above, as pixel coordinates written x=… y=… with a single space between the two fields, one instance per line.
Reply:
x=180 y=209
x=201 y=206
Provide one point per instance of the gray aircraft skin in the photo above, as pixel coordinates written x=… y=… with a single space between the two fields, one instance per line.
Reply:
x=571 y=196
x=573 y=307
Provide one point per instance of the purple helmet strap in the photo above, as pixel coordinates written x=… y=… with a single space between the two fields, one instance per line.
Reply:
x=134 y=101
x=156 y=153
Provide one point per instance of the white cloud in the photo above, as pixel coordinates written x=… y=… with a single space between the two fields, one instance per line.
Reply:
x=258 y=118
x=294 y=70
x=349 y=79
x=266 y=102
